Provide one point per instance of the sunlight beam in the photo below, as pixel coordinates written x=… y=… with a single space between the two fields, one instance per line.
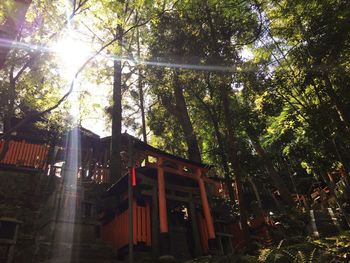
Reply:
x=71 y=54
x=75 y=52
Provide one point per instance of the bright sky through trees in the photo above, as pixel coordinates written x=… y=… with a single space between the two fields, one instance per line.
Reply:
x=71 y=53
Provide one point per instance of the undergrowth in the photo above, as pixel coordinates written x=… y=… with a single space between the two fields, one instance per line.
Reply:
x=297 y=250
x=327 y=250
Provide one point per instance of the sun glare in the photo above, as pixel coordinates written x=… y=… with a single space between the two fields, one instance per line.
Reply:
x=71 y=54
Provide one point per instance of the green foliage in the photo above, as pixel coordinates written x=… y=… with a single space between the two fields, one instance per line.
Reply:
x=5 y=8
x=183 y=38
x=333 y=249
x=29 y=80
x=291 y=98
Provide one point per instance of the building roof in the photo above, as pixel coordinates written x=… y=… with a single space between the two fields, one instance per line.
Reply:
x=138 y=144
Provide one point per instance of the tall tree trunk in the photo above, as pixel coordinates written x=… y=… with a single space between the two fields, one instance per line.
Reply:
x=220 y=141
x=277 y=180
x=140 y=88
x=9 y=114
x=183 y=117
x=11 y=27
x=345 y=119
x=233 y=157
x=223 y=158
x=255 y=190
x=115 y=161
x=339 y=105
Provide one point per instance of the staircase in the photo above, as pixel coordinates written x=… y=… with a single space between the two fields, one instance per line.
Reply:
x=325 y=223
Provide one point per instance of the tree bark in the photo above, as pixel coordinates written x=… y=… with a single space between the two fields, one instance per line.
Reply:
x=115 y=160
x=140 y=88
x=10 y=100
x=181 y=113
x=233 y=157
x=255 y=190
x=220 y=141
x=277 y=180
x=224 y=163
x=339 y=105
x=11 y=28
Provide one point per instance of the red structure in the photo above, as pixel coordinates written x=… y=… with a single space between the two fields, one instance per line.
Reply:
x=116 y=232
x=172 y=199
x=171 y=212
x=25 y=154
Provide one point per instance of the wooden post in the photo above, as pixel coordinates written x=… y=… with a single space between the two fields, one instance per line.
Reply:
x=155 y=223
x=131 y=227
x=195 y=232
x=163 y=218
x=130 y=202
x=205 y=204
x=115 y=160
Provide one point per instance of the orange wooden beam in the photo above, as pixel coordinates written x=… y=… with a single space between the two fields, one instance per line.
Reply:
x=205 y=205
x=178 y=162
x=148 y=218
x=135 y=218
x=173 y=171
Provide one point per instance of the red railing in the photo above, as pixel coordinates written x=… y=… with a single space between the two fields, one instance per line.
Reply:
x=116 y=232
x=25 y=154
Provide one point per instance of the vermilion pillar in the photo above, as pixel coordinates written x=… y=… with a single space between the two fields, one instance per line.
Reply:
x=163 y=218
x=205 y=204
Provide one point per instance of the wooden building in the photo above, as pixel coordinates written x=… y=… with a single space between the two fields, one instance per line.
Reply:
x=170 y=214
x=27 y=149
x=161 y=205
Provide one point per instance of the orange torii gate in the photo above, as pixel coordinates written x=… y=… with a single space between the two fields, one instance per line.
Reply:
x=171 y=191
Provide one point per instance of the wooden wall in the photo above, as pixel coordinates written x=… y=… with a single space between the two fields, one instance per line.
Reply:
x=116 y=232
x=25 y=154
x=203 y=232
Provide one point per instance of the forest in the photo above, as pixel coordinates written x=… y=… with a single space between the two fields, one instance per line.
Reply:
x=259 y=89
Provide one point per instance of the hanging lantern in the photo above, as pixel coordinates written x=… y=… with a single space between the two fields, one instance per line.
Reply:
x=133 y=176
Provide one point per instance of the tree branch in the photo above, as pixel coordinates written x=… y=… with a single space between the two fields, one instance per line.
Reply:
x=257 y=35
x=30 y=61
x=34 y=116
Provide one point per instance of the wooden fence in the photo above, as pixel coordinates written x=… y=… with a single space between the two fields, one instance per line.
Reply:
x=25 y=154
x=116 y=232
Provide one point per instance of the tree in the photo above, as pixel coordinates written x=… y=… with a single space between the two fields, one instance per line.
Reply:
x=311 y=69
x=209 y=37
x=11 y=27
x=120 y=21
x=30 y=86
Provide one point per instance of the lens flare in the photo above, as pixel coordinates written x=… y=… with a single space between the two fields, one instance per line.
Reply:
x=71 y=54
